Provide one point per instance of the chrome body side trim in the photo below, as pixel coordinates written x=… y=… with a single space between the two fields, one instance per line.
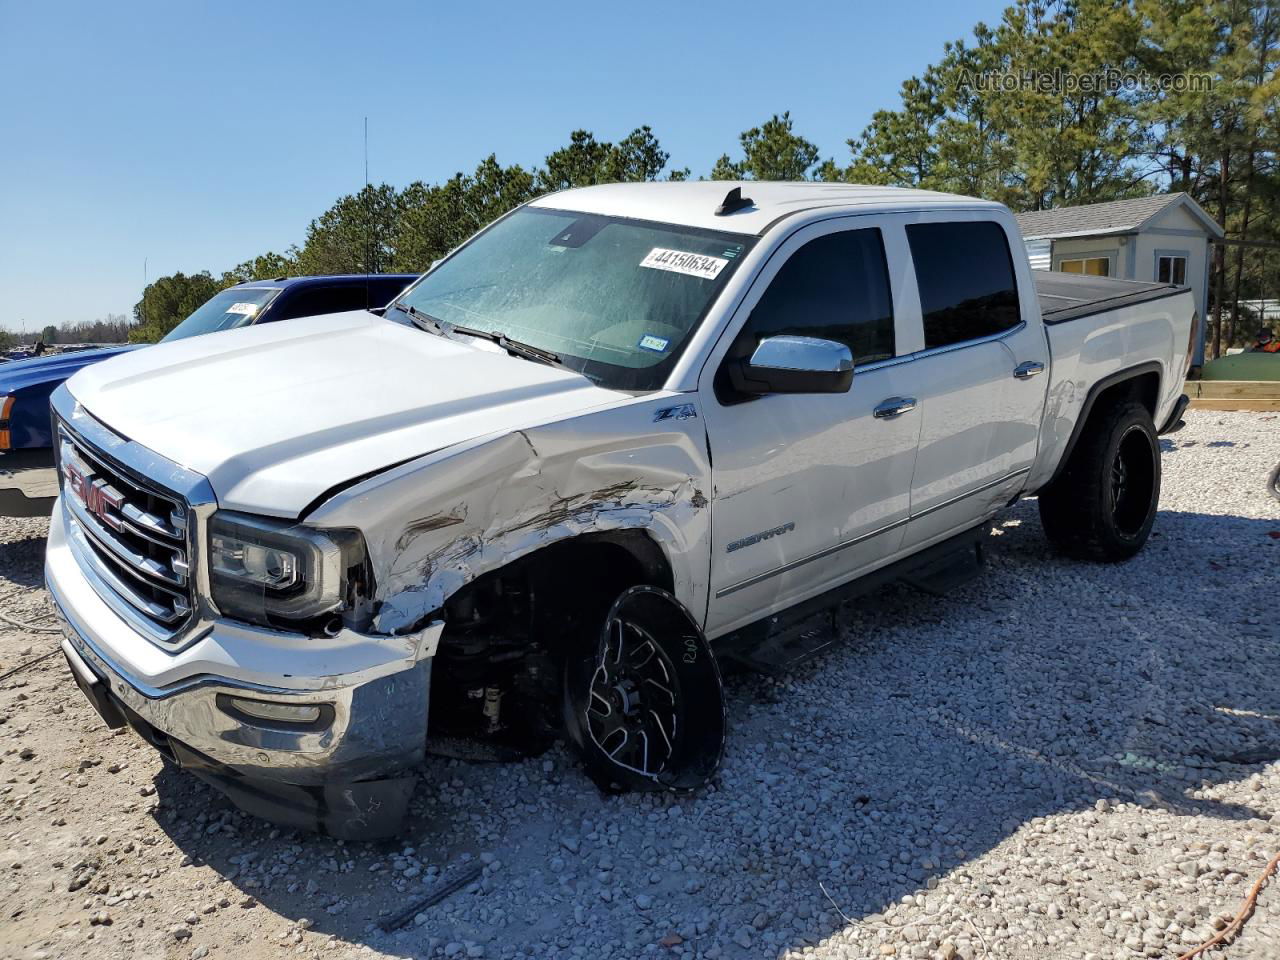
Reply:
x=843 y=545
x=787 y=568
x=969 y=493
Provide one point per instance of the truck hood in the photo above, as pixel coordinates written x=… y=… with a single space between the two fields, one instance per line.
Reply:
x=54 y=368
x=277 y=415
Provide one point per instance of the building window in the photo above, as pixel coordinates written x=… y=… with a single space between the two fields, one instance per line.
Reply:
x=1172 y=270
x=1093 y=266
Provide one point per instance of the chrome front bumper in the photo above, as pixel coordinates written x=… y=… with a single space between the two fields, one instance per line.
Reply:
x=373 y=690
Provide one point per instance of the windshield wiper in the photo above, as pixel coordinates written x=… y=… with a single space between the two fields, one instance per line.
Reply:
x=526 y=350
x=423 y=321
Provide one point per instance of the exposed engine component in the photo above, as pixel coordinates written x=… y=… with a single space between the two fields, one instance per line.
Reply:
x=491 y=670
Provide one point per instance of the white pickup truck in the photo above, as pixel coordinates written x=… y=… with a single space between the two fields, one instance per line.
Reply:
x=622 y=436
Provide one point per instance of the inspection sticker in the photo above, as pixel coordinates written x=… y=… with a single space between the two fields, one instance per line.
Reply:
x=248 y=309
x=656 y=344
x=690 y=264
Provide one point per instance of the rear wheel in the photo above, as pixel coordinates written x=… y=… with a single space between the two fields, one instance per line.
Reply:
x=1103 y=505
x=644 y=705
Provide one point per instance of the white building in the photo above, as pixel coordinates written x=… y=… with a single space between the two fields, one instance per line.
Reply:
x=1162 y=239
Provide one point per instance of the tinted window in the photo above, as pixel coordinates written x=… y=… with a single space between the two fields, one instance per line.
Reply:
x=313 y=301
x=965 y=274
x=835 y=287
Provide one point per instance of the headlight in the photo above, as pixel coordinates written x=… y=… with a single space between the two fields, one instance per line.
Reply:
x=288 y=575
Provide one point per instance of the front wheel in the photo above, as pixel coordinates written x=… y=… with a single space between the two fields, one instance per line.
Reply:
x=1103 y=505
x=645 y=705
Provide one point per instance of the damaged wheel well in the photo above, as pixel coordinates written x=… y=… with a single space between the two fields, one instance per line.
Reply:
x=570 y=572
x=506 y=634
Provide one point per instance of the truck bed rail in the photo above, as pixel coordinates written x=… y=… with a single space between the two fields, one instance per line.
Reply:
x=1070 y=296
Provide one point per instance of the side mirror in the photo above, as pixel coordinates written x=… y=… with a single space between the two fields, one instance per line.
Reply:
x=788 y=364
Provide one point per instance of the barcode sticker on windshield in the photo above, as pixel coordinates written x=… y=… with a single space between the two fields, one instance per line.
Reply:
x=248 y=309
x=690 y=264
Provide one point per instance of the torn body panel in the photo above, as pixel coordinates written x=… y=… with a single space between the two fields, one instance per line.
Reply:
x=476 y=509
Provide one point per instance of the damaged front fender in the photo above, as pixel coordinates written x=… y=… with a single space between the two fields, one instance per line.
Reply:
x=435 y=524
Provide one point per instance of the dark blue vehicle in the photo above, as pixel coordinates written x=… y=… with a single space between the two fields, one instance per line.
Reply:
x=28 y=484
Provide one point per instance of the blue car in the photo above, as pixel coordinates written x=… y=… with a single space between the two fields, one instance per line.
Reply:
x=28 y=483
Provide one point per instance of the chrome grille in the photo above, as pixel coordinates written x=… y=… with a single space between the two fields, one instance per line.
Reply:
x=134 y=535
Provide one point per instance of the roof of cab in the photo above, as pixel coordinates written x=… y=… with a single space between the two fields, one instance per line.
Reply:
x=694 y=203
x=327 y=279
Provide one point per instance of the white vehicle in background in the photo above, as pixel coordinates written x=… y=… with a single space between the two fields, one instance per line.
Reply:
x=622 y=435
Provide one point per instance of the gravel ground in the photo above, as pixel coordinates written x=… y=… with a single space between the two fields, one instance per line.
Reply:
x=1059 y=760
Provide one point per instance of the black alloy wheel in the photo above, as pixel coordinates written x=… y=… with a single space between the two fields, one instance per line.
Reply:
x=645 y=706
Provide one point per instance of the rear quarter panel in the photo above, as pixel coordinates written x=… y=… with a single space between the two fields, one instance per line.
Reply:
x=1085 y=350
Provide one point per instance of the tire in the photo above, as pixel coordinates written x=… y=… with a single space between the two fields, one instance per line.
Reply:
x=1103 y=505
x=644 y=706
x=1273 y=482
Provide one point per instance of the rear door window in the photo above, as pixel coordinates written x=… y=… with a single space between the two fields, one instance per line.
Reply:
x=966 y=280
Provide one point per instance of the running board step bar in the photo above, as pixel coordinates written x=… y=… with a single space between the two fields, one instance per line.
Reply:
x=948 y=571
x=778 y=643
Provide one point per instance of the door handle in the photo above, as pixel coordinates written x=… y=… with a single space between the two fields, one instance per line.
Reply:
x=1028 y=369
x=895 y=407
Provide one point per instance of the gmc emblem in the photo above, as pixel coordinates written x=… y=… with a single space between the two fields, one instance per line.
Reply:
x=98 y=497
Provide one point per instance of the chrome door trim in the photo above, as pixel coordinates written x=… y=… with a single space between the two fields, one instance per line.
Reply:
x=961 y=344
x=788 y=567
x=919 y=354
x=881 y=364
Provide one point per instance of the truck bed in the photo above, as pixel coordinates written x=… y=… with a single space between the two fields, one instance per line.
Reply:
x=1070 y=296
x=1099 y=328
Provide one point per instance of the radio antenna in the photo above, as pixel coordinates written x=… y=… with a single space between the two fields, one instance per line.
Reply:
x=368 y=217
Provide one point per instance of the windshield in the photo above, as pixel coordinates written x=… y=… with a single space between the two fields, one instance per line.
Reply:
x=232 y=308
x=614 y=299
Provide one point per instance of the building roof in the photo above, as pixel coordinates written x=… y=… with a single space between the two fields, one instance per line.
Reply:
x=693 y=203
x=1119 y=216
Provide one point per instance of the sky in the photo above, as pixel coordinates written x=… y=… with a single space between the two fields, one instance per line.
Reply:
x=192 y=136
